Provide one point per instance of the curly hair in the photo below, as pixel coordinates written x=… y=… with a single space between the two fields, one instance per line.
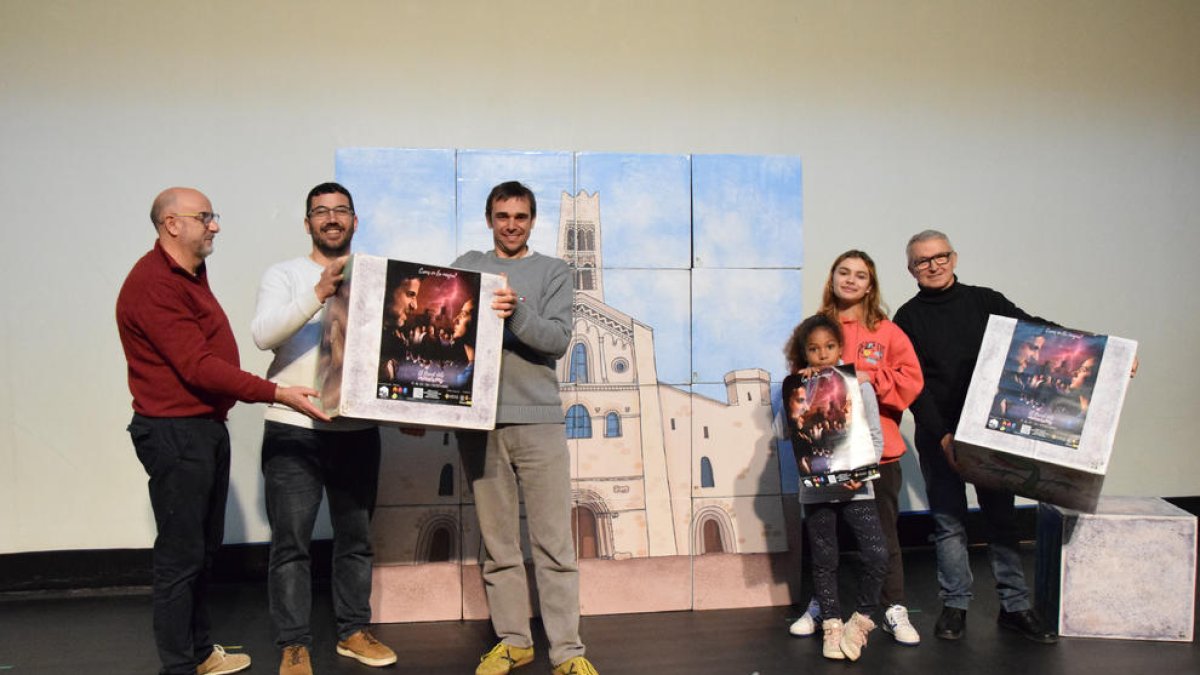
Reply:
x=794 y=349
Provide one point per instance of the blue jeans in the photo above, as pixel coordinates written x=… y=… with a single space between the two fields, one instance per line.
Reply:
x=948 y=505
x=299 y=464
x=187 y=460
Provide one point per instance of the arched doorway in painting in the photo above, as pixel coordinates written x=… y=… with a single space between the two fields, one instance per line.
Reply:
x=583 y=532
x=712 y=537
x=712 y=531
x=438 y=541
x=591 y=525
x=440 y=545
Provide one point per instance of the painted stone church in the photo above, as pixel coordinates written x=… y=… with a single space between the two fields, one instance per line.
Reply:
x=657 y=470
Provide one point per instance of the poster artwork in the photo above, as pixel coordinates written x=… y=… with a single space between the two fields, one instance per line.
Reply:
x=1046 y=384
x=429 y=322
x=828 y=427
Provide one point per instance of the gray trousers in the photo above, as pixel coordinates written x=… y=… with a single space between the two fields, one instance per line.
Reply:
x=534 y=459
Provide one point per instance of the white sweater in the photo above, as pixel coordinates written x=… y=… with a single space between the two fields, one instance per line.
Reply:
x=287 y=320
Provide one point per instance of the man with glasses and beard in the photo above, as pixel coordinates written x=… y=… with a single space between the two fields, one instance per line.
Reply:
x=946 y=322
x=301 y=459
x=184 y=377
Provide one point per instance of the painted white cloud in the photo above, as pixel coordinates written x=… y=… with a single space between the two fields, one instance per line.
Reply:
x=660 y=299
x=747 y=211
x=645 y=207
x=741 y=319
x=404 y=200
x=548 y=174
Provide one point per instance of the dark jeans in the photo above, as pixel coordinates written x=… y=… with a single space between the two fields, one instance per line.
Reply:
x=299 y=464
x=187 y=460
x=862 y=519
x=947 y=494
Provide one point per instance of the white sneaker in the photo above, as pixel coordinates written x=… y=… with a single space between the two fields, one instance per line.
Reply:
x=895 y=621
x=832 y=645
x=806 y=625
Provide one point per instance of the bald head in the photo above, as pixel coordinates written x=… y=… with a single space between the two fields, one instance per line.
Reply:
x=167 y=200
x=186 y=225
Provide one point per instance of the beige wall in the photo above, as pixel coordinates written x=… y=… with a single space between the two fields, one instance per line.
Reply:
x=1057 y=142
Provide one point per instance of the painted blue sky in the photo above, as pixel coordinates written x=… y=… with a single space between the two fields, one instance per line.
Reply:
x=741 y=318
x=660 y=299
x=747 y=211
x=645 y=207
x=706 y=321
x=548 y=174
x=404 y=200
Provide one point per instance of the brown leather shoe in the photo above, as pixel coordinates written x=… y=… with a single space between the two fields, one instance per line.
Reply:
x=220 y=663
x=363 y=647
x=295 y=661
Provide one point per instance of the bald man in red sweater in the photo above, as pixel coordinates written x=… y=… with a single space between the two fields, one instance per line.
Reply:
x=184 y=375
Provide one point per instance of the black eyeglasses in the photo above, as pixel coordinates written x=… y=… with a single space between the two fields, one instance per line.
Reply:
x=202 y=216
x=924 y=263
x=322 y=212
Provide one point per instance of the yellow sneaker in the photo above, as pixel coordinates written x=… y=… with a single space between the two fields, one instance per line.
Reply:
x=220 y=663
x=575 y=666
x=503 y=659
x=364 y=648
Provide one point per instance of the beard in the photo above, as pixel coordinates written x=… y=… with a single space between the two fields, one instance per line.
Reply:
x=332 y=251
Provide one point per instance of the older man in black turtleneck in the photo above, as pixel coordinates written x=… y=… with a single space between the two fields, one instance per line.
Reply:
x=946 y=321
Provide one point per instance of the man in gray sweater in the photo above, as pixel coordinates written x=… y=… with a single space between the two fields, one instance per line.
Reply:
x=528 y=447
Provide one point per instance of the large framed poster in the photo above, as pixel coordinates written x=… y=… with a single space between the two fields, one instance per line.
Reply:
x=407 y=342
x=1041 y=412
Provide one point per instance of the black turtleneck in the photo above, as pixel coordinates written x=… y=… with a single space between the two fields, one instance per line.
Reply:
x=946 y=327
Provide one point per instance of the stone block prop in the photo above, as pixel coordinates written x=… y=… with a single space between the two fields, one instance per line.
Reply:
x=1127 y=571
x=413 y=344
x=1041 y=413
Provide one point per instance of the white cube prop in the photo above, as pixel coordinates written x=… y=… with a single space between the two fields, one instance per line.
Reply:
x=1128 y=571
x=1051 y=447
x=349 y=372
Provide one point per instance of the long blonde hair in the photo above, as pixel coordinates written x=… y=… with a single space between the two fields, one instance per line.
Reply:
x=874 y=310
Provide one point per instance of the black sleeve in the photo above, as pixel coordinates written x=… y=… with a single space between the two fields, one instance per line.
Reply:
x=997 y=304
x=924 y=409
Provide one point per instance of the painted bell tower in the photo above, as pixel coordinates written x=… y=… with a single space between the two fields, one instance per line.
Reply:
x=579 y=241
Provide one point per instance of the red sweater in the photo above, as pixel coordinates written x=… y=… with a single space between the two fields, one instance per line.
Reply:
x=183 y=359
x=888 y=357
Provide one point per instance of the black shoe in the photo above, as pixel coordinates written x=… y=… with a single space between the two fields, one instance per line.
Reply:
x=951 y=623
x=1028 y=624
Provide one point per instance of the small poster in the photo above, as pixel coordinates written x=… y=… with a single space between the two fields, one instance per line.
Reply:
x=828 y=427
x=427 y=351
x=1046 y=385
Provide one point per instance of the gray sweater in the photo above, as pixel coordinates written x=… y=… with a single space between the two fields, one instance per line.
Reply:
x=535 y=336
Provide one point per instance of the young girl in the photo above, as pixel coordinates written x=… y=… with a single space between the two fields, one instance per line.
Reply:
x=882 y=355
x=817 y=343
